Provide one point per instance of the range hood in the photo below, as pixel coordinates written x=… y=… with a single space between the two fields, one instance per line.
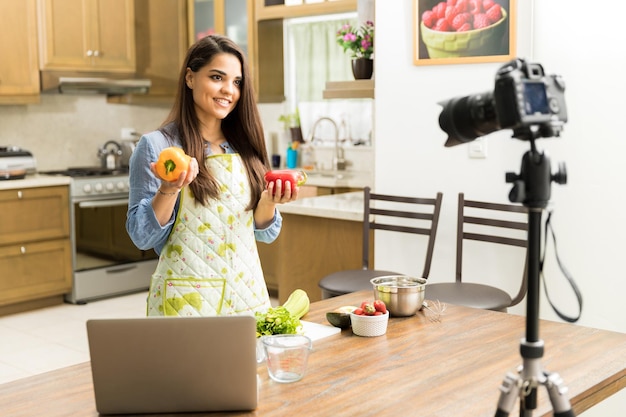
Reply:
x=76 y=82
x=97 y=85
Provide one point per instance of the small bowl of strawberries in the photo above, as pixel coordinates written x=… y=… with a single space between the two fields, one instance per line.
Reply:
x=370 y=319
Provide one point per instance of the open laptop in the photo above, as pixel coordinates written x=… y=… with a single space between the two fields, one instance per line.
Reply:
x=173 y=364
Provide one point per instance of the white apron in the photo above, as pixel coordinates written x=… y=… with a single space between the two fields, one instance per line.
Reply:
x=210 y=265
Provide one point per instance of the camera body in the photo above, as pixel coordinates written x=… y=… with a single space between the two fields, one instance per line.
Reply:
x=524 y=99
x=525 y=96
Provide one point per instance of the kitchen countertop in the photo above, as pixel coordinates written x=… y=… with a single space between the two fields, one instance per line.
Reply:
x=335 y=179
x=36 y=180
x=345 y=206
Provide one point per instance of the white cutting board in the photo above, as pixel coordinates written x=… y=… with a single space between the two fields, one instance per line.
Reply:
x=318 y=331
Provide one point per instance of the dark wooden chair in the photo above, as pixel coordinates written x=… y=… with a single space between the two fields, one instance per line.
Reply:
x=406 y=215
x=484 y=222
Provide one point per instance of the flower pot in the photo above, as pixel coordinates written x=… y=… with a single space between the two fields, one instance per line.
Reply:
x=362 y=68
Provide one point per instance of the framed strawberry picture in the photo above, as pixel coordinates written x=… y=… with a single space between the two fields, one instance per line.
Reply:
x=464 y=31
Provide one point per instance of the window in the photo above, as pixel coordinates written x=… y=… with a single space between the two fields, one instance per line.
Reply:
x=313 y=57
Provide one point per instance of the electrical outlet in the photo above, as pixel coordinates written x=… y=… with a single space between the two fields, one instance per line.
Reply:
x=128 y=133
x=478 y=148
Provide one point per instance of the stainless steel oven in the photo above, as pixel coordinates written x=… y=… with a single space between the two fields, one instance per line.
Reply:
x=106 y=262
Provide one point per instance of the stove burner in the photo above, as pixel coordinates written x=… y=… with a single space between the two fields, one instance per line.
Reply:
x=87 y=172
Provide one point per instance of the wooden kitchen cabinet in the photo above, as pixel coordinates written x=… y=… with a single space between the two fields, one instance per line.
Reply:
x=161 y=34
x=307 y=249
x=268 y=37
x=314 y=190
x=19 y=66
x=233 y=18
x=87 y=35
x=35 y=247
x=277 y=9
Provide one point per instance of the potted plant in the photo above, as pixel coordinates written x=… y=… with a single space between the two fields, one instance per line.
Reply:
x=360 y=42
x=291 y=123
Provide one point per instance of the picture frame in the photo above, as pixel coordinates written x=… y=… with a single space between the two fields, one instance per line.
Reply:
x=495 y=43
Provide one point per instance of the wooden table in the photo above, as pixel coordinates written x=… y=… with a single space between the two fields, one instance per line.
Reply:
x=419 y=368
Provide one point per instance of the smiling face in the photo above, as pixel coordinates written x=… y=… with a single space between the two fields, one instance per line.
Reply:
x=216 y=86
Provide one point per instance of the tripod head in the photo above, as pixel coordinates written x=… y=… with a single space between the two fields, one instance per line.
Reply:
x=532 y=185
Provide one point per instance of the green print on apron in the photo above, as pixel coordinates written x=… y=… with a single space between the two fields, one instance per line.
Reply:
x=210 y=265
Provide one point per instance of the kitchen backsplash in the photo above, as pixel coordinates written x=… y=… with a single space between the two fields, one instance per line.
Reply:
x=66 y=130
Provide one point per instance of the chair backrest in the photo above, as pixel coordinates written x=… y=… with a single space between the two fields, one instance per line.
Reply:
x=496 y=229
x=426 y=209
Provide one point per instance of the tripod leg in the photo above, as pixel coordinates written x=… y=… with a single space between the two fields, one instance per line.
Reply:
x=557 y=392
x=509 y=392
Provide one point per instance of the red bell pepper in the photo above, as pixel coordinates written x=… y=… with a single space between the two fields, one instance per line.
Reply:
x=296 y=178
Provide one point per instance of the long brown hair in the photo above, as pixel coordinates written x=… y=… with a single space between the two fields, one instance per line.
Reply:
x=242 y=127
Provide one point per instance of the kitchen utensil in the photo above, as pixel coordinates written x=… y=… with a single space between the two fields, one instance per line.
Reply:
x=15 y=163
x=369 y=326
x=127 y=146
x=403 y=295
x=110 y=155
x=286 y=356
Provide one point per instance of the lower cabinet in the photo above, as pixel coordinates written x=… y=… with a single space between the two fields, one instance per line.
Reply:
x=307 y=249
x=35 y=247
x=314 y=190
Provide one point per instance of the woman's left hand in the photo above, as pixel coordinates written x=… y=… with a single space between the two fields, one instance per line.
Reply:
x=279 y=192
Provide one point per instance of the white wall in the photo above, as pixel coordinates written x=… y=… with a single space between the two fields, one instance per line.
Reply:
x=588 y=211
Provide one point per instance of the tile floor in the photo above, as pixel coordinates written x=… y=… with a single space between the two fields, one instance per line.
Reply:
x=50 y=338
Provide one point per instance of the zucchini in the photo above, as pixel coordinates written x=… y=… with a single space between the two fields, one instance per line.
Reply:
x=297 y=303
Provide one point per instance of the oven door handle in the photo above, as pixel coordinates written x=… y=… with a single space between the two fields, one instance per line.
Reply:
x=104 y=203
x=120 y=269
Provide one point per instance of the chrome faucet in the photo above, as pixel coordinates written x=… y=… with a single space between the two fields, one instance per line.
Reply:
x=339 y=161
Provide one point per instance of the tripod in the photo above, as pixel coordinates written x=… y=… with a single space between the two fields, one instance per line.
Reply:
x=532 y=188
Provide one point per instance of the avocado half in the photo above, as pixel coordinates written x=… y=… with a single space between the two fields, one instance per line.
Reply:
x=340 y=317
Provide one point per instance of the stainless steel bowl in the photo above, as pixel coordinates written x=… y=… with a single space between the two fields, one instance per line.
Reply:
x=403 y=295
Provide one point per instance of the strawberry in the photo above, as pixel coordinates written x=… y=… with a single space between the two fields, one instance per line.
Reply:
x=429 y=18
x=494 y=13
x=358 y=311
x=475 y=6
x=442 y=25
x=369 y=309
x=487 y=4
x=460 y=20
x=461 y=6
x=380 y=306
x=450 y=15
x=464 y=28
x=481 y=20
x=440 y=10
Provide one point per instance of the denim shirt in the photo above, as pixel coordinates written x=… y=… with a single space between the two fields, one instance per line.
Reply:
x=141 y=222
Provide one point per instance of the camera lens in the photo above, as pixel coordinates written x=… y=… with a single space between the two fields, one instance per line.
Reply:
x=466 y=118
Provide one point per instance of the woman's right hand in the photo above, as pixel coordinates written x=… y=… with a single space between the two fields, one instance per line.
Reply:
x=184 y=179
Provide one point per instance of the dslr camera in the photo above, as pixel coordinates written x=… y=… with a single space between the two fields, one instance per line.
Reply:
x=524 y=99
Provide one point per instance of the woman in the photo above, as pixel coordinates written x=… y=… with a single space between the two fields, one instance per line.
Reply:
x=205 y=225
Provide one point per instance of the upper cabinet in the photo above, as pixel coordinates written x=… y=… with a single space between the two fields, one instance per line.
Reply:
x=281 y=9
x=268 y=36
x=87 y=35
x=19 y=75
x=233 y=18
x=161 y=34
